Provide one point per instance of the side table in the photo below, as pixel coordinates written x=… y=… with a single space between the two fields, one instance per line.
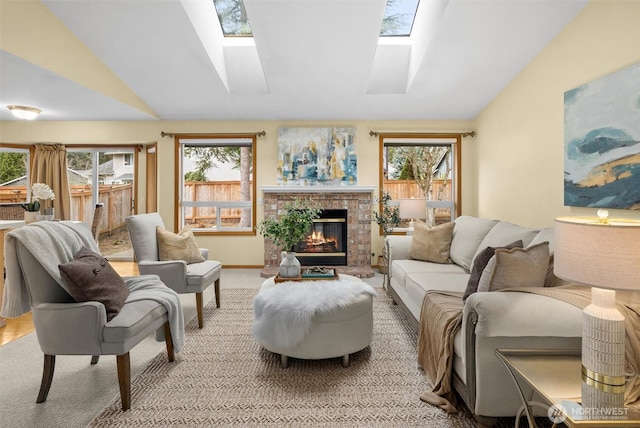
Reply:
x=555 y=377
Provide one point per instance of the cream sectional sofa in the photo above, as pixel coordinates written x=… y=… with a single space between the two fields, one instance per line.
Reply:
x=491 y=320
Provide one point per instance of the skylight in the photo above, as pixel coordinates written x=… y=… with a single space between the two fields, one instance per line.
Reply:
x=233 y=18
x=398 y=17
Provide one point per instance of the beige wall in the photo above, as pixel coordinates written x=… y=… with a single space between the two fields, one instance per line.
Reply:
x=520 y=143
x=231 y=250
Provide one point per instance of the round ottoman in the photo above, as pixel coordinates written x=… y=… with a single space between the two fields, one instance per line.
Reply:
x=334 y=333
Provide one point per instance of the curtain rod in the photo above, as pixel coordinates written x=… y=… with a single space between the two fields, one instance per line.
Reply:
x=172 y=135
x=462 y=134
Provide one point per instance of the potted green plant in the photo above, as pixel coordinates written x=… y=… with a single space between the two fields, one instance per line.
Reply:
x=293 y=223
x=388 y=218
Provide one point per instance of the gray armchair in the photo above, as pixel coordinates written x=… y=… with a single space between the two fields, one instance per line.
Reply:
x=176 y=274
x=64 y=327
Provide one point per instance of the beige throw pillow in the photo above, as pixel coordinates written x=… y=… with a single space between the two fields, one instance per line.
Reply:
x=431 y=244
x=517 y=267
x=181 y=246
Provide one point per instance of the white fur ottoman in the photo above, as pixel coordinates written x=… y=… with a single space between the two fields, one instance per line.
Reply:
x=314 y=319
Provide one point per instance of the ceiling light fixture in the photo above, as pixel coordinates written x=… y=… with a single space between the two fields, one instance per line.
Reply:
x=22 y=112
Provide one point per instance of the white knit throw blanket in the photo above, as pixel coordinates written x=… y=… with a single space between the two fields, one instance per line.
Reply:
x=284 y=313
x=54 y=243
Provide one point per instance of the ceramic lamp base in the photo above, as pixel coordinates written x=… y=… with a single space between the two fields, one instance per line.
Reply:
x=603 y=338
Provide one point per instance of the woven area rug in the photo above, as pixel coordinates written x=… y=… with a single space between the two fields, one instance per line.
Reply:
x=224 y=377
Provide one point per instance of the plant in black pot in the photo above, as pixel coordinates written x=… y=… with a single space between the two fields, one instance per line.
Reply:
x=293 y=224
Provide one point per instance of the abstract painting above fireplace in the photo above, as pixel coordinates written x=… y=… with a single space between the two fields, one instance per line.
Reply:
x=317 y=156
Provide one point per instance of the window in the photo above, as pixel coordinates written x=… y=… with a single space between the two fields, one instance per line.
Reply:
x=398 y=18
x=128 y=159
x=14 y=175
x=233 y=18
x=422 y=166
x=216 y=186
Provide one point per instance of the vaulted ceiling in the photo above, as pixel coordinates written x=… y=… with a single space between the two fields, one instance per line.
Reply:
x=308 y=59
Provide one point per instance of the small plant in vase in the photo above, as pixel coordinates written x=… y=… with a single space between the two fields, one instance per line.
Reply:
x=293 y=223
x=39 y=192
x=388 y=218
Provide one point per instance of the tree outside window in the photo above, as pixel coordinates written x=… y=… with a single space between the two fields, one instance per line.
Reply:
x=14 y=178
x=422 y=167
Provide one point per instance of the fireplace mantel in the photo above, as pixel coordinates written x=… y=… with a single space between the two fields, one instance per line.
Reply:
x=317 y=189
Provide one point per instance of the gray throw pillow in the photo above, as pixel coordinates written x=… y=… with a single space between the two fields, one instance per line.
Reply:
x=89 y=277
x=518 y=267
x=480 y=263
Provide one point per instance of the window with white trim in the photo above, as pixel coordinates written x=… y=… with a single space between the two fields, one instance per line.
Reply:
x=216 y=186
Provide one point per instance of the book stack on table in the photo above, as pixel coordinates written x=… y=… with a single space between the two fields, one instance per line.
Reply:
x=320 y=274
x=312 y=274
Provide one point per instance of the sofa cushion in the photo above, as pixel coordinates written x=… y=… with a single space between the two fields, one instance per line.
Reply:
x=480 y=263
x=89 y=277
x=431 y=244
x=468 y=233
x=418 y=283
x=517 y=267
x=399 y=270
x=180 y=246
x=504 y=233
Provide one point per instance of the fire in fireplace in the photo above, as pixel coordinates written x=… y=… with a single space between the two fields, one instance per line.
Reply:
x=326 y=243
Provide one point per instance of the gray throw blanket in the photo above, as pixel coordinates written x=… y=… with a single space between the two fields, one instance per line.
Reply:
x=54 y=243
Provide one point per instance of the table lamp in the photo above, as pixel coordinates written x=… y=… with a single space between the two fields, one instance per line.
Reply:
x=606 y=255
x=413 y=209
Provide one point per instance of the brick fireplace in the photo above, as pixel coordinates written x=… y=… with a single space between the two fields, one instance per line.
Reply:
x=357 y=200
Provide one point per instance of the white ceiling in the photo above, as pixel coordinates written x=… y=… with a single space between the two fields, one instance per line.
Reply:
x=308 y=60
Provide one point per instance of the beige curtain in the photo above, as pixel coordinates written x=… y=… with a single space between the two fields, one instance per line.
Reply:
x=50 y=167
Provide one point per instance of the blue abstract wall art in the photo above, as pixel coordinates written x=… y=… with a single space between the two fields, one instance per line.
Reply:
x=317 y=157
x=602 y=142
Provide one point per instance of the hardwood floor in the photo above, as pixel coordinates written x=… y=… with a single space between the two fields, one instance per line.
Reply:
x=18 y=327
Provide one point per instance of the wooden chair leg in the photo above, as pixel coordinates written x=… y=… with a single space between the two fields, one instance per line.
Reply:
x=169 y=341
x=124 y=380
x=47 y=377
x=216 y=287
x=94 y=359
x=199 y=309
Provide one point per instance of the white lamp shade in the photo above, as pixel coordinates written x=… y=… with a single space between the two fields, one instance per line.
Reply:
x=601 y=255
x=413 y=208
